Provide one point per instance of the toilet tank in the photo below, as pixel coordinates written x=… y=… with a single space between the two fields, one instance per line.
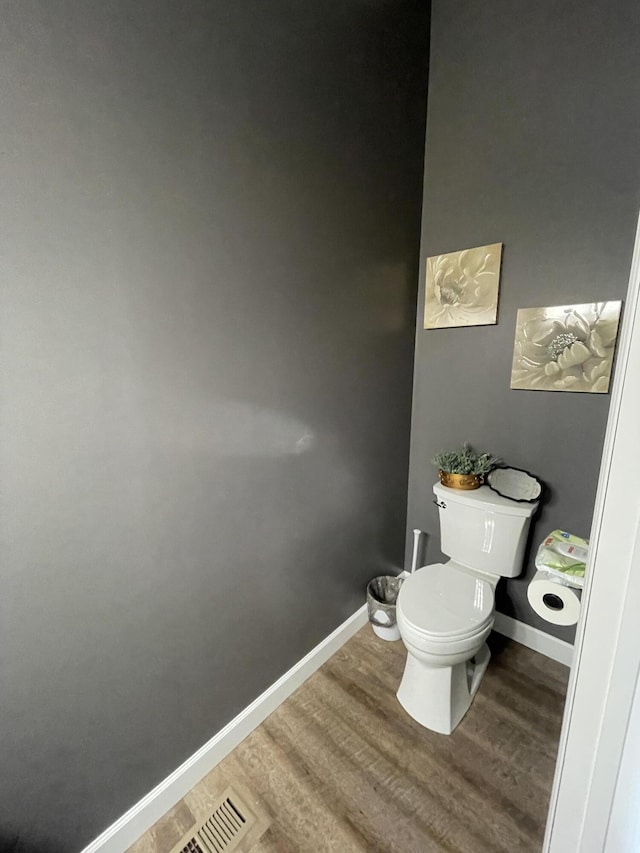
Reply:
x=482 y=530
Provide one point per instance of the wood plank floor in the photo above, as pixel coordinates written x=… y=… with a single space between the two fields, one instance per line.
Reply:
x=341 y=767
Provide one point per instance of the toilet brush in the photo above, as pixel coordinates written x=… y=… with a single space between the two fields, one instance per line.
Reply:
x=417 y=536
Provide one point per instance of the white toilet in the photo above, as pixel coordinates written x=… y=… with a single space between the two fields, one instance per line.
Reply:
x=445 y=611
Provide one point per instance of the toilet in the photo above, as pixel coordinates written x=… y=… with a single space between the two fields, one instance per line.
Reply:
x=445 y=611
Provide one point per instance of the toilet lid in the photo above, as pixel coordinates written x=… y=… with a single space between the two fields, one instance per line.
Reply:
x=446 y=601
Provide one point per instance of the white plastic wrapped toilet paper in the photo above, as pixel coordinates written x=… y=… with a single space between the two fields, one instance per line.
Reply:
x=554 y=602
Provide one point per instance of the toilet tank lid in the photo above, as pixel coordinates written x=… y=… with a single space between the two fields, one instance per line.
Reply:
x=486 y=499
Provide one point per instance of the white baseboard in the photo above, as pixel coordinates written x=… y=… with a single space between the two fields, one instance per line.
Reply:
x=534 y=639
x=127 y=829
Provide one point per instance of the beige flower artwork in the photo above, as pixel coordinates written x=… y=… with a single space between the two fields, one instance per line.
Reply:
x=462 y=288
x=565 y=348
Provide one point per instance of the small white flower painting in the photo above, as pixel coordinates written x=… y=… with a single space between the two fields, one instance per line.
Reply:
x=462 y=288
x=565 y=348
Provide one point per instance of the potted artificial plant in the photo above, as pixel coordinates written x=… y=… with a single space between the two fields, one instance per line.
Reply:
x=464 y=468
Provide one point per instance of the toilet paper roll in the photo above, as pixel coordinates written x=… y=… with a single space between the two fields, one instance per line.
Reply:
x=552 y=601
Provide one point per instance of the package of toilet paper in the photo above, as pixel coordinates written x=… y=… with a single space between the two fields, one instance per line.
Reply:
x=563 y=556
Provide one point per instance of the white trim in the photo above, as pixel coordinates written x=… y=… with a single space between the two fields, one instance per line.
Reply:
x=127 y=829
x=600 y=693
x=534 y=638
x=623 y=832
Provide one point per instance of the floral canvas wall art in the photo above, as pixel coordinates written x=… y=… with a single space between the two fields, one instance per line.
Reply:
x=565 y=348
x=462 y=288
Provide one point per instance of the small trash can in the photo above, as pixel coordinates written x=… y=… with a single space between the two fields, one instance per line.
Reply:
x=382 y=594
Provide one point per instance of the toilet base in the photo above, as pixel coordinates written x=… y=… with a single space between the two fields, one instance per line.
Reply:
x=438 y=697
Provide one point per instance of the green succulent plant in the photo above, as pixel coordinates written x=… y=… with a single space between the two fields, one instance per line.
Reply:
x=465 y=461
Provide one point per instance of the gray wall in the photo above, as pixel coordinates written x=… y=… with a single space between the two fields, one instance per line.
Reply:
x=210 y=223
x=532 y=140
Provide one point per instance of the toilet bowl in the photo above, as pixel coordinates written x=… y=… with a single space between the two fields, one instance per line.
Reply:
x=445 y=611
x=444 y=617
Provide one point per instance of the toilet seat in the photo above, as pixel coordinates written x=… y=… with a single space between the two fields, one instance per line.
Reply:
x=445 y=603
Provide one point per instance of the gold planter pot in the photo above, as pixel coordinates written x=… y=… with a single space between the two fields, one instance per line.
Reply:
x=461 y=481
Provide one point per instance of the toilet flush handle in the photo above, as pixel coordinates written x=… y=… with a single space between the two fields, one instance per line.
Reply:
x=439 y=504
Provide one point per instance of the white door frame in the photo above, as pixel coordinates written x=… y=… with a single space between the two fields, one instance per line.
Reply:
x=600 y=698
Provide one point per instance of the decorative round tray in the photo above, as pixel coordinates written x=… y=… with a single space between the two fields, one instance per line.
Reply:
x=515 y=484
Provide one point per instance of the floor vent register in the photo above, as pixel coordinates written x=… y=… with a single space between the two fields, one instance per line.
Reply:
x=223 y=831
